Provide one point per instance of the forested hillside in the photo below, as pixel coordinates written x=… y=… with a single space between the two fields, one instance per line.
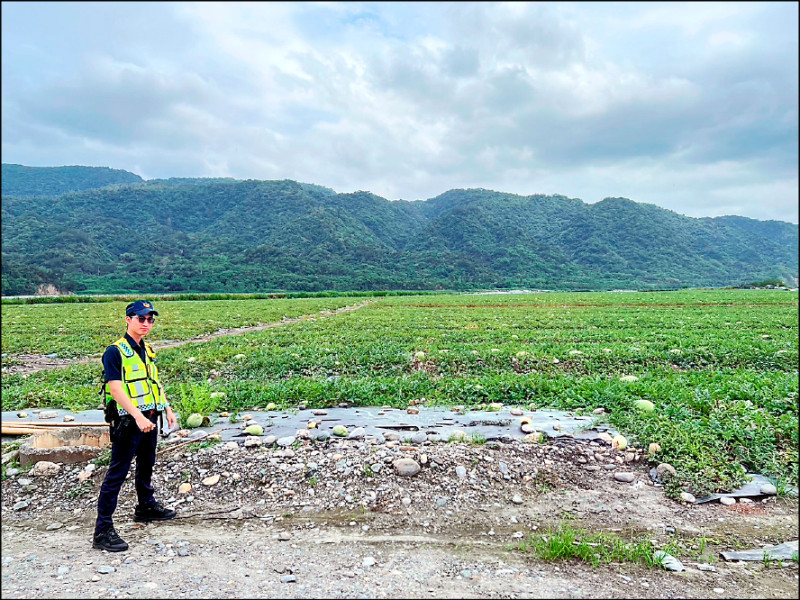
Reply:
x=106 y=234
x=19 y=180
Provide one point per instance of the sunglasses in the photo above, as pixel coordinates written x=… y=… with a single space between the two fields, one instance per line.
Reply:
x=142 y=319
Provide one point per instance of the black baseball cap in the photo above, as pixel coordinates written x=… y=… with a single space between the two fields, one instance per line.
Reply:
x=140 y=307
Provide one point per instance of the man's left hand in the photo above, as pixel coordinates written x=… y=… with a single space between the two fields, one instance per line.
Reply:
x=171 y=420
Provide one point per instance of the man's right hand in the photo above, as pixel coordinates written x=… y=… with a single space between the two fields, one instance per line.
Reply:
x=144 y=423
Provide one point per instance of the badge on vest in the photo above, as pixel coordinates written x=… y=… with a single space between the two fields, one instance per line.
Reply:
x=126 y=350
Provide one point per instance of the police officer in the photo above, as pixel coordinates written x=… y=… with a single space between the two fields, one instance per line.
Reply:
x=134 y=400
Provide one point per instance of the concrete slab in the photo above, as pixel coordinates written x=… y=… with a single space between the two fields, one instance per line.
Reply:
x=68 y=445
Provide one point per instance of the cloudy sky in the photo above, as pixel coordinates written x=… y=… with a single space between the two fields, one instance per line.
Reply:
x=689 y=106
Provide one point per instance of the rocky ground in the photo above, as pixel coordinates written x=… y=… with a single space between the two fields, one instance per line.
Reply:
x=361 y=519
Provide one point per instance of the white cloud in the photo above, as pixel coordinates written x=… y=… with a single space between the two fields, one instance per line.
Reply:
x=691 y=106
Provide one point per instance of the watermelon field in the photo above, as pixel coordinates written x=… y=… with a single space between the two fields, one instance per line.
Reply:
x=720 y=367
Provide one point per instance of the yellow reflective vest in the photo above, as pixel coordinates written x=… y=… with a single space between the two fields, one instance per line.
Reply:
x=139 y=379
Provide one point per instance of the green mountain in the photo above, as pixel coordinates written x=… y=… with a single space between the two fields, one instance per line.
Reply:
x=19 y=180
x=184 y=234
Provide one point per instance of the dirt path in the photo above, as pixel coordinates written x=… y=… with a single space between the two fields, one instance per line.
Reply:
x=227 y=560
x=308 y=522
x=31 y=363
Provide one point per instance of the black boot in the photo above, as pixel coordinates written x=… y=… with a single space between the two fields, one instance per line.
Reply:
x=152 y=512
x=109 y=540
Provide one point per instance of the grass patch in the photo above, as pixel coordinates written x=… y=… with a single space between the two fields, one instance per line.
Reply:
x=195 y=446
x=12 y=464
x=80 y=490
x=478 y=438
x=103 y=459
x=193 y=398
x=568 y=543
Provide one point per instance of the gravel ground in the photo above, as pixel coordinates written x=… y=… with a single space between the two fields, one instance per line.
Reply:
x=337 y=519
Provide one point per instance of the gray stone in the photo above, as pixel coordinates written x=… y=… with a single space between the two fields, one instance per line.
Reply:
x=706 y=567
x=48 y=414
x=21 y=505
x=368 y=561
x=665 y=471
x=768 y=489
x=461 y=472
x=357 y=434
x=270 y=439
x=517 y=499
x=252 y=441
x=54 y=526
x=288 y=579
x=669 y=562
x=727 y=500
x=406 y=467
x=45 y=468
x=106 y=569
x=419 y=437
x=625 y=477
x=286 y=441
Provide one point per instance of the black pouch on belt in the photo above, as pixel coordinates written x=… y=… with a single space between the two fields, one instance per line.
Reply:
x=111 y=415
x=122 y=424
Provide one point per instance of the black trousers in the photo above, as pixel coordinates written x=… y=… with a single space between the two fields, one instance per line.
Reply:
x=127 y=441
